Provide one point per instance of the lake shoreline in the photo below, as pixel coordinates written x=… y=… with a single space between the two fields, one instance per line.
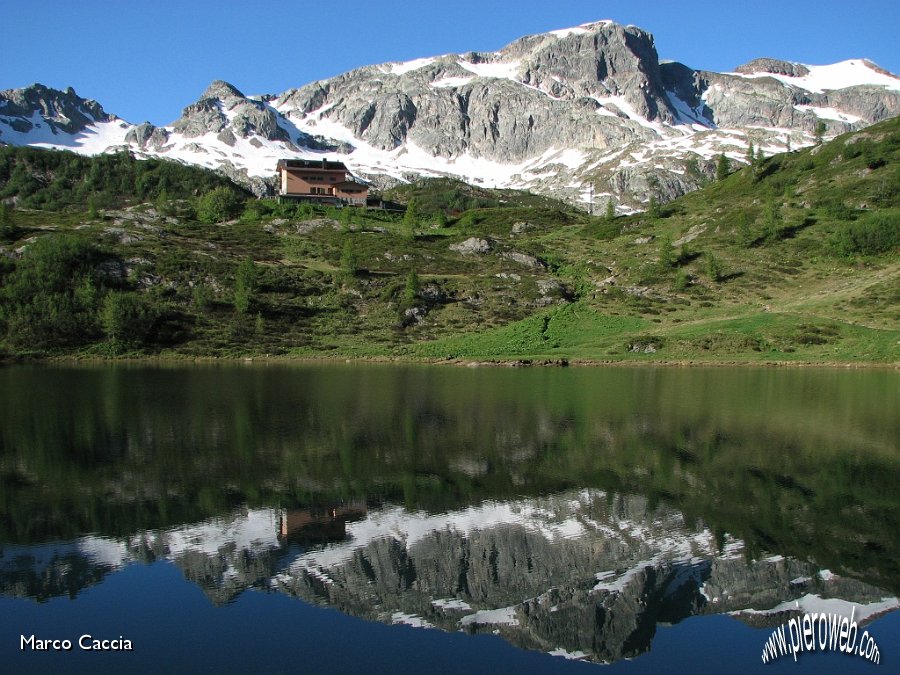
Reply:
x=560 y=362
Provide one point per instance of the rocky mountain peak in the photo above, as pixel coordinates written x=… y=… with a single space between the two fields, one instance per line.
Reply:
x=223 y=109
x=221 y=90
x=500 y=105
x=63 y=110
x=600 y=60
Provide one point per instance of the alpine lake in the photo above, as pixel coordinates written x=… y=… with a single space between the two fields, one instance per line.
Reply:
x=367 y=518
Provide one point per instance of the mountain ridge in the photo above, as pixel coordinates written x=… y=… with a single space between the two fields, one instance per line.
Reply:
x=587 y=114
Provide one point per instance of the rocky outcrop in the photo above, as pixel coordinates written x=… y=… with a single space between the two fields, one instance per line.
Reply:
x=258 y=185
x=776 y=66
x=222 y=106
x=738 y=102
x=146 y=136
x=472 y=246
x=872 y=104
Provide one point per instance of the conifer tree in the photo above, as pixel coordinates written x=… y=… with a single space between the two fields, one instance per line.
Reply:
x=411 y=218
x=820 y=132
x=666 y=254
x=411 y=291
x=723 y=167
x=713 y=267
x=244 y=285
x=772 y=220
x=346 y=218
x=163 y=204
x=610 y=211
x=7 y=224
x=348 y=260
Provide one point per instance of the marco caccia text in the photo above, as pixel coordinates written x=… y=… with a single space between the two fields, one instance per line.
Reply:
x=86 y=643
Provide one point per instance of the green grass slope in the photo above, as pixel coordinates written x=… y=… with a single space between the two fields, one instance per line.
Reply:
x=794 y=259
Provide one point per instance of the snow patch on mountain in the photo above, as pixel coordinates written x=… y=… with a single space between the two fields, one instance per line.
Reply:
x=404 y=67
x=95 y=139
x=693 y=117
x=583 y=29
x=850 y=73
x=255 y=154
x=621 y=103
x=829 y=113
x=450 y=82
x=507 y=71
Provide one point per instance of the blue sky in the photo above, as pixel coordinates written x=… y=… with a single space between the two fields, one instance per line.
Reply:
x=147 y=60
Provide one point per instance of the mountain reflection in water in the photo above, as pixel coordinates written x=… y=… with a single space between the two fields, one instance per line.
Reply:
x=586 y=574
x=569 y=511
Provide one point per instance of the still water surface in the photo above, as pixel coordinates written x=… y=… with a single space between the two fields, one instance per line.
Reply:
x=424 y=519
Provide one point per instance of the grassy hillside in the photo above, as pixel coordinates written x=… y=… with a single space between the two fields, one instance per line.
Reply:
x=792 y=259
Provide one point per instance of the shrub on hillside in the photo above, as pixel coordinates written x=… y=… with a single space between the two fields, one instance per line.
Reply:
x=51 y=297
x=218 y=205
x=126 y=319
x=255 y=210
x=874 y=233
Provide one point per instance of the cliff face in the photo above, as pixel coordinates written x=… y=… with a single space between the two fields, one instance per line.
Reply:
x=588 y=114
x=538 y=94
